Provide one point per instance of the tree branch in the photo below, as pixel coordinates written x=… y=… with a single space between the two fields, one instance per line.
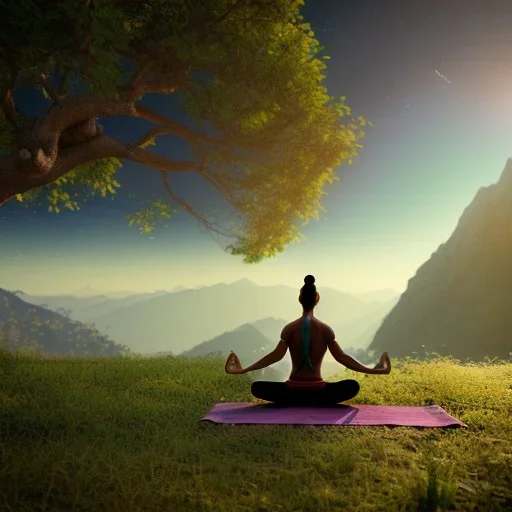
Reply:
x=220 y=189
x=189 y=209
x=50 y=90
x=166 y=126
x=107 y=147
x=159 y=162
x=13 y=182
x=9 y=108
x=142 y=87
x=80 y=133
x=76 y=109
x=227 y=12
x=139 y=85
x=131 y=90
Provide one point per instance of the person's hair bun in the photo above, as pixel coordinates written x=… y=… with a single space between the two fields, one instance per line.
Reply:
x=309 y=280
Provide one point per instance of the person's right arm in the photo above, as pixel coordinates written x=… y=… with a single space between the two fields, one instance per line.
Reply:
x=350 y=362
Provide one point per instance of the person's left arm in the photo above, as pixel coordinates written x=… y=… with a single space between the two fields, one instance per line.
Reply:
x=276 y=355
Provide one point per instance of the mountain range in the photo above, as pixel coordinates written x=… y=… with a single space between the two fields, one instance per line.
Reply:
x=460 y=300
x=86 y=308
x=180 y=320
x=35 y=328
x=177 y=321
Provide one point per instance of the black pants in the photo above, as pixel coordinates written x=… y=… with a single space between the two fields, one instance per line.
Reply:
x=332 y=393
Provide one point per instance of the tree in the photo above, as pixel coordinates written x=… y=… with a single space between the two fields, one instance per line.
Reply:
x=263 y=130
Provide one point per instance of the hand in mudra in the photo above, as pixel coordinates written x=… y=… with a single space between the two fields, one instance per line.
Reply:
x=233 y=365
x=384 y=364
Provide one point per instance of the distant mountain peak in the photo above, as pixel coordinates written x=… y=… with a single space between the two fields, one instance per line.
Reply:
x=245 y=327
x=86 y=291
x=244 y=281
x=506 y=175
x=244 y=339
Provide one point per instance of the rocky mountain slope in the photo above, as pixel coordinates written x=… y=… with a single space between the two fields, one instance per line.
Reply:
x=460 y=300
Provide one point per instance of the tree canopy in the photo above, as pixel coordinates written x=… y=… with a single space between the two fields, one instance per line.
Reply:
x=264 y=132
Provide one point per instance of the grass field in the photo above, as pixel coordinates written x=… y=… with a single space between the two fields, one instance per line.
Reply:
x=122 y=434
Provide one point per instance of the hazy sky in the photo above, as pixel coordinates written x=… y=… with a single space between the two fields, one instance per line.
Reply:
x=433 y=145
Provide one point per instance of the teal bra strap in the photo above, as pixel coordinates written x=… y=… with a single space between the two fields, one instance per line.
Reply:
x=306 y=338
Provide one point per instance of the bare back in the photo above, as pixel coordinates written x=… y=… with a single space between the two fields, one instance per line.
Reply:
x=321 y=334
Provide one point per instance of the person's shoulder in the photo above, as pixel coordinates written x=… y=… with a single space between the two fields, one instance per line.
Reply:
x=285 y=333
x=329 y=332
x=293 y=323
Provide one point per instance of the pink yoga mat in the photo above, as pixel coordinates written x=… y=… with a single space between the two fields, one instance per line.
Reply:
x=354 y=415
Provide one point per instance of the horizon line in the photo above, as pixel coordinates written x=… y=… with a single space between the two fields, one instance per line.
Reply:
x=78 y=293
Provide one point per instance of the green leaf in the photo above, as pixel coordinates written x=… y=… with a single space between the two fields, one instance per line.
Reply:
x=150 y=215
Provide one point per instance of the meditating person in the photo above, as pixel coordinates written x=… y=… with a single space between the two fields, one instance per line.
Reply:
x=308 y=340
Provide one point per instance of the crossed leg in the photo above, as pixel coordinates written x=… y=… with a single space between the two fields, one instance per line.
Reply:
x=332 y=393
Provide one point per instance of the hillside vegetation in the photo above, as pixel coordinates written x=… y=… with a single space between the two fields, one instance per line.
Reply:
x=33 y=328
x=123 y=434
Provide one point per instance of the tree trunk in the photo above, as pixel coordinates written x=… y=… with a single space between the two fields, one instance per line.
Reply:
x=20 y=172
x=68 y=136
